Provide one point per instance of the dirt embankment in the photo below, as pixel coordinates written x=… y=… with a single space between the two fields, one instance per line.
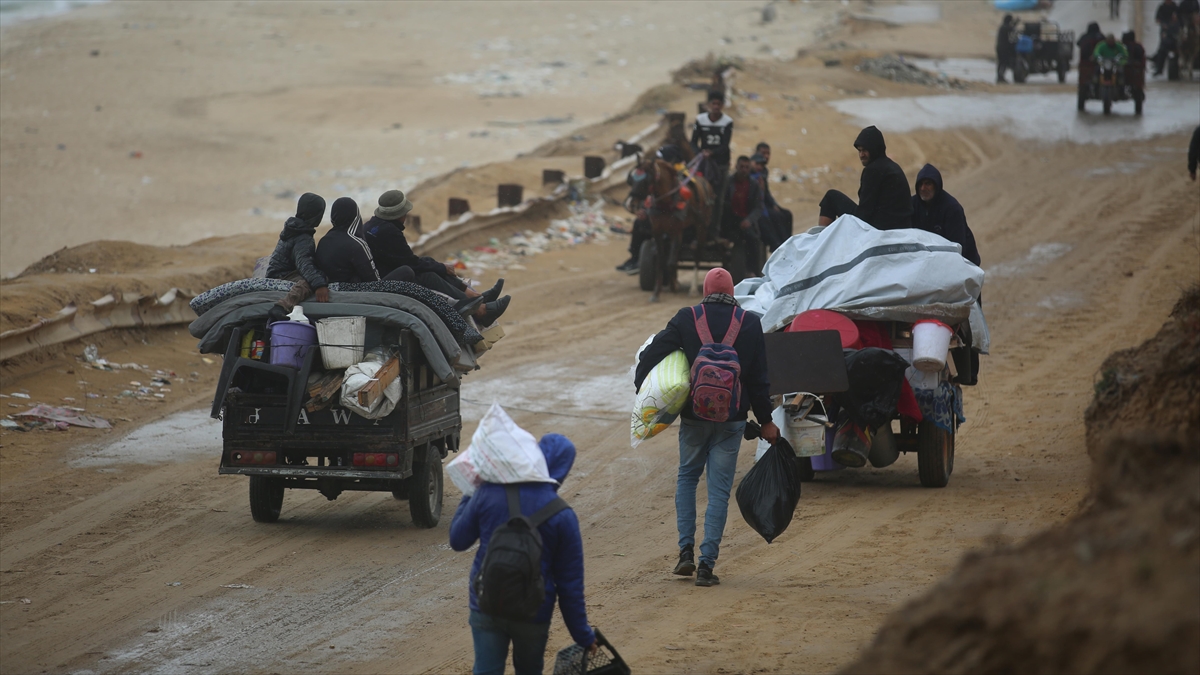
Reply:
x=1116 y=588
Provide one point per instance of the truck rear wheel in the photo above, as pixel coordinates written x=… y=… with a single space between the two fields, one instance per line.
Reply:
x=425 y=488
x=935 y=455
x=266 y=498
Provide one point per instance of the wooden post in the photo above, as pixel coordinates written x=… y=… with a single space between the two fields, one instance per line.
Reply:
x=509 y=194
x=458 y=207
x=553 y=177
x=593 y=166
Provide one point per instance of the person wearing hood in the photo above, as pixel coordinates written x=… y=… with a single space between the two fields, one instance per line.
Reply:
x=884 y=200
x=936 y=211
x=476 y=520
x=292 y=259
x=1088 y=41
x=705 y=445
x=1006 y=47
x=343 y=254
x=780 y=219
x=384 y=234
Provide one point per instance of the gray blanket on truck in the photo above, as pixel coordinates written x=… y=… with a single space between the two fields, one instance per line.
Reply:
x=437 y=344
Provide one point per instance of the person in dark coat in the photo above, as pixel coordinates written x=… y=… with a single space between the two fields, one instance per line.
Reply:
x=711 y=136
x=293 y=260
x=384 y=234
x=744 y=213
x=884 y=200
x=342 y=254
x=780 y=218
x=1088 y=41
x=707 y=445
x=1194 y=153
x=1006 y=47
x=936 y=211
x=476 y=520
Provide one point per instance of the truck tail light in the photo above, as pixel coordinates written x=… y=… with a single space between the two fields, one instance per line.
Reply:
x=253 y=457
x=376 y=460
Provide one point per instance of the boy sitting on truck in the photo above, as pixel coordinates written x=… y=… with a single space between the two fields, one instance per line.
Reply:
x=293 y=257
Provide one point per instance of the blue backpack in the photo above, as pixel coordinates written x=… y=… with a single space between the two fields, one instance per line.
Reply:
x=716 y=372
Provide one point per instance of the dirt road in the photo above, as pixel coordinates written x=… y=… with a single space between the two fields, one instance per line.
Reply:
x=352 y=586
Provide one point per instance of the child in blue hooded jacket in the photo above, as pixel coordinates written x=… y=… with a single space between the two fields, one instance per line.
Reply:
x=477 y=518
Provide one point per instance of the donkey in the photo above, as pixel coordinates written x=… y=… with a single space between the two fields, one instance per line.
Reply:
x=667 y=222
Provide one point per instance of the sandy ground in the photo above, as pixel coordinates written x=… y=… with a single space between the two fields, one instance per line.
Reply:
x=167 y=122
x=1086 y=248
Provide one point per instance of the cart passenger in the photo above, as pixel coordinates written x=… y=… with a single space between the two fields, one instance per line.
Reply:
x=293 y=260
x=476 y=520
x=1111 y=49
x=936 y=211
x=780 y=219
x=743 y=213
x=884 y=199
x=384 y=234
x=1088 y=41
x=711 y=135
x=707 y=445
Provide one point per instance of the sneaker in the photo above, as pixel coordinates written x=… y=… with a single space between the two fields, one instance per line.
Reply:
x=705 y=576
x=687 y=562
x=275 y=314
x=627 y=265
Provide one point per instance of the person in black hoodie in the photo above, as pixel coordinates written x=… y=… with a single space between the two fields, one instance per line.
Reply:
x=384 y=234
x=1006 y=47
x=292 y=258
x=342 y=254
x=884 y=200
x=934 y=210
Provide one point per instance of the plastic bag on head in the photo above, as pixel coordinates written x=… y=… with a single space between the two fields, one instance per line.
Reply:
x=768 y=494
x=500 y=452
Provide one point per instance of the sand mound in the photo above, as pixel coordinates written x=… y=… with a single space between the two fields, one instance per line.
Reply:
x=1115 y=589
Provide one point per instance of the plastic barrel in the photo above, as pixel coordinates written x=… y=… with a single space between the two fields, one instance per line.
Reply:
x=290 y=342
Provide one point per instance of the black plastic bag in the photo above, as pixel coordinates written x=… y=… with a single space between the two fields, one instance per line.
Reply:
x=770 y=491
x=876 y=376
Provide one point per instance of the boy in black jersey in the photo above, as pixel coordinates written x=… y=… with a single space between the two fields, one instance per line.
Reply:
x=710 y=136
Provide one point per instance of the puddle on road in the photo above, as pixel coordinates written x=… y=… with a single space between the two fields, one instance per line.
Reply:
x=558 y=387
x=180 y=437
x=1039 y=255
x=1032 y=116
x=983 y=70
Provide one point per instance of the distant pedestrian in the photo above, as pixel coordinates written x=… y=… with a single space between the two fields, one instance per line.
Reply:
x=706 y=444
x=478 y=518
x=1006 y=47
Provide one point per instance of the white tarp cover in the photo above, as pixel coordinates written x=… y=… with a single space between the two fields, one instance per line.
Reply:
x=851 y=267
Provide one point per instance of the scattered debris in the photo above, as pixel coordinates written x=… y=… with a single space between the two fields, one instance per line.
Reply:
x=64 y=416
x=896 y=69
x=236 y=586
x=174 y=583
x=17 y=394
x=586 y=224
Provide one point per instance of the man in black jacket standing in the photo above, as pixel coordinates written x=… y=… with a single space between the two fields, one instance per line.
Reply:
x=1006 y=47
x=884 y=200
x=936 y=211
x=707 y=445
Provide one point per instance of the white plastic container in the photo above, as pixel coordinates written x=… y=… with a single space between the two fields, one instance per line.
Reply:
x=807 y=435
x=342 y=339
x=931 y=344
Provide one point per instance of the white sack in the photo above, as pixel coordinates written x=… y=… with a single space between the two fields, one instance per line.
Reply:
x=500 y=452
x=357 y=377
x=849 y=266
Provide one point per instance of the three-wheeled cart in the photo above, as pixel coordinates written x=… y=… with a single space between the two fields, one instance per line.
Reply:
x=271 y=435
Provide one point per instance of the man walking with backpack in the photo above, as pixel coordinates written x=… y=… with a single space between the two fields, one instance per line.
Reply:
x=530 y=552
x=729 y=378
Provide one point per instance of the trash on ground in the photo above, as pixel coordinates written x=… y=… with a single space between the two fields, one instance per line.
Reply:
x=896 y=69
x=236 y=586
x=64 y=415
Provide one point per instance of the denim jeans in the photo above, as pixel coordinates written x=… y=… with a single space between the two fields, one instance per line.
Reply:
x=492 y=635
x=715 y=445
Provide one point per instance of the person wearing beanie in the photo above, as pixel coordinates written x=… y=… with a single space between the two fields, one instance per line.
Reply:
x=704 y=444
x=384 y=234
x=292 y=258
x=884 y=198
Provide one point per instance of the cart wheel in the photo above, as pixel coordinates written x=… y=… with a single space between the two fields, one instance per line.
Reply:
x=1106 y=99
x=1062 y=75
x=1020 y=71
x=935 y=455
x=266 y=498
x=807 y=474
x=1082 y=99
x=425 y=488
x=647 y=265
x=1138 y=99
x=1173 y=69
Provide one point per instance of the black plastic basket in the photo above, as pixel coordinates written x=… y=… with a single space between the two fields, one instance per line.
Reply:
x=574 y=660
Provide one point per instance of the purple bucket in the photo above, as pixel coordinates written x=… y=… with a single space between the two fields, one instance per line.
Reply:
x=825 y=462
x=290 y=342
